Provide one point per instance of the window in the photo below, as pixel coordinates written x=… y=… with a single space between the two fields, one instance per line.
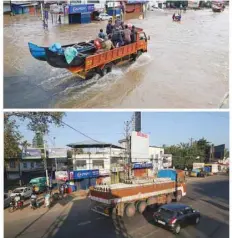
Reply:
x=98 y=164
x=32 y=165
x=80 y=164
x=12 y=164
x=187 y=210
x=25 y=165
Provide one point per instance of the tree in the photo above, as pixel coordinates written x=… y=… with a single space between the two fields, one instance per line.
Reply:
x=36 y=121
x=38 y=141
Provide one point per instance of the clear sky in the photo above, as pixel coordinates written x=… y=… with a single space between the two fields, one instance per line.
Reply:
x=163 y=127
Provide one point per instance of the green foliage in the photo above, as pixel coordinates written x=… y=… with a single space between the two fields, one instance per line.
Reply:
x=185 y=154
x=38 y=141
x=36 y=121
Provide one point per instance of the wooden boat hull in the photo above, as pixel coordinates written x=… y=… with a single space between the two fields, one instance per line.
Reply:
x=37 y=52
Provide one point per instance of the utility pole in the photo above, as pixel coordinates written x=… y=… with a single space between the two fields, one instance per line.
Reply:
x=54 y=138
x=128 y=155
x=45 y=163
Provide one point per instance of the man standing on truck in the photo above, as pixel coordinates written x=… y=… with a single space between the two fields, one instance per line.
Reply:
x=133 y=34
x=127 y=35
x=109 y=27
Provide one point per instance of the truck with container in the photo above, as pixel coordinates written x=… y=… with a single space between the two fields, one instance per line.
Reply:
x=136 y=194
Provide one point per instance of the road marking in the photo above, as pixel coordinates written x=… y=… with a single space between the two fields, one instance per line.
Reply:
x=84 y=223
x=100 y=218
x=151 y=233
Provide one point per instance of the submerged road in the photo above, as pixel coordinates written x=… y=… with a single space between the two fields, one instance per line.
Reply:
x=187 y=65
x=73 y=219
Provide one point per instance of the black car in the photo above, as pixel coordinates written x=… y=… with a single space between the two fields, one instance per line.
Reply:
x=175 y=216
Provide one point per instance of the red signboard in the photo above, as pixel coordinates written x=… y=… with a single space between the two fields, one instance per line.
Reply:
x=142 y=135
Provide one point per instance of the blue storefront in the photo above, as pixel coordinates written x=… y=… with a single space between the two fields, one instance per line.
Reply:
x=81 y=13
x=83 y=179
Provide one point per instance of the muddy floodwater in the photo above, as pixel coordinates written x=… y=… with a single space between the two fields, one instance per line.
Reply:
x=187 y=65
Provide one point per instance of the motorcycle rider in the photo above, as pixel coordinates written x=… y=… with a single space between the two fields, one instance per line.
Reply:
x=33 y=200
x=62 y=190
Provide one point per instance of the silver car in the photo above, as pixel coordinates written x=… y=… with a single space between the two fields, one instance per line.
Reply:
x=7 y=200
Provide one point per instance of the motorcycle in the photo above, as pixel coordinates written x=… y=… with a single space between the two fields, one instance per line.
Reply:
x=15 y=205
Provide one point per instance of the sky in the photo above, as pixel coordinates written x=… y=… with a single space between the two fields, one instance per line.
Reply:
x=167 y=128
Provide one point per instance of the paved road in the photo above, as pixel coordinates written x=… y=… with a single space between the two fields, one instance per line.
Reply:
x=72 y=218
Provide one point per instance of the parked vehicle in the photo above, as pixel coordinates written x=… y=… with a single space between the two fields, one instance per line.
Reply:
x=174 y=217
x=7 y=200
x=103 y=17
x=25 y=192
x=39 y=184
x=16 y=203
x=135 y=195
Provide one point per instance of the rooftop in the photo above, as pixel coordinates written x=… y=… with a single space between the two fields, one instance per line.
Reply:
x=93 y=144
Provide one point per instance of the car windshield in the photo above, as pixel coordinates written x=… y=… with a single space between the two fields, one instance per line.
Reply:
x=18 y=190
x=166 y=213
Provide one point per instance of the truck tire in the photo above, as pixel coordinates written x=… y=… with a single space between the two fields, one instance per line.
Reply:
x=130 y=210
x=136 y=56
x=107 y=69
x=141 y=206
x=179 y=196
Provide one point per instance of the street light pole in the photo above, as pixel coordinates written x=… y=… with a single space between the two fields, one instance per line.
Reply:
x=45 y=164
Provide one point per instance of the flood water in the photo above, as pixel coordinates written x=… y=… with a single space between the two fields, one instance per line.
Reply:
x=187 y=65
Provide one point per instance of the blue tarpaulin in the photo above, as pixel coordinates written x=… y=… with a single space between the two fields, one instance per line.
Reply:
x=167 y=173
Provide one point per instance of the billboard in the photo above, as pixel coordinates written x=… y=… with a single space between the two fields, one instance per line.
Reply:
x=57 y=153
x=219 y=151
x=142 y=165
x=81 y=8
x=137 y=121
x=31 y=153
x=139 y=147
x=82 y=174
x=61 y=175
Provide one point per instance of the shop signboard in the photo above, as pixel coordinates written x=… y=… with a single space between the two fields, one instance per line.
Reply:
x=142 y=165
x=82 y=174
x=61 y=175
x=57 y=153
x=81 y=8
x=31 y=153
x=137 y=1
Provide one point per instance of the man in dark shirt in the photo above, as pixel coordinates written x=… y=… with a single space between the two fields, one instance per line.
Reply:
x=133 y=34
x=109 y=28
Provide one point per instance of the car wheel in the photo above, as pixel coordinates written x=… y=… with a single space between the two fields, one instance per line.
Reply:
x=197 y=220
x=177 y=229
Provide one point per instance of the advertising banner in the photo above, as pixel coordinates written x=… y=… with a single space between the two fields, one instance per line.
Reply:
x=142 y=165
x=57 y=153
x=82 y=174
x=61 y=175
x=139 y=147
x=81 y=8
x=31 y=153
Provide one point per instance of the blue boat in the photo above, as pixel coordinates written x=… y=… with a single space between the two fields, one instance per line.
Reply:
x=37 y=52
x=57 y=59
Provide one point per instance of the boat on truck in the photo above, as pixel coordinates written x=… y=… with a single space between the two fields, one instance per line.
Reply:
x=88 y=60
x=135 y=195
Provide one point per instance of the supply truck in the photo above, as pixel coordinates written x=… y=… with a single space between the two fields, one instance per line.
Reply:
x=136 y=194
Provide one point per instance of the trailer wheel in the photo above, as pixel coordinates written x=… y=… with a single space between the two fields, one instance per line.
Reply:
x=179 y=196
x=107 y=69
x=141 y=206
x=130 y=210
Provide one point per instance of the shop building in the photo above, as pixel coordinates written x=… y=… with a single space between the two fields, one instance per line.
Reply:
x=80 y=14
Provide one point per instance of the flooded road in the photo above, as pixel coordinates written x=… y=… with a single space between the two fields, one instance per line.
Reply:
x=187 y=65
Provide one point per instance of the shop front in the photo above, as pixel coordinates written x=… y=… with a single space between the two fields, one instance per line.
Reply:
x=142 y=170
x=80 y=14
x=135 y=8
x=83 y=179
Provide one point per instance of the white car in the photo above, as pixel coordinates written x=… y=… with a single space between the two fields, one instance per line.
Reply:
x=25 y=192
x=103 y=17
x=7 y=200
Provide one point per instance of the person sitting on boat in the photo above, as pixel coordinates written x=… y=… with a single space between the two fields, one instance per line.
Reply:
x=109 y=27
x=108 y=44
x=101 y=34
